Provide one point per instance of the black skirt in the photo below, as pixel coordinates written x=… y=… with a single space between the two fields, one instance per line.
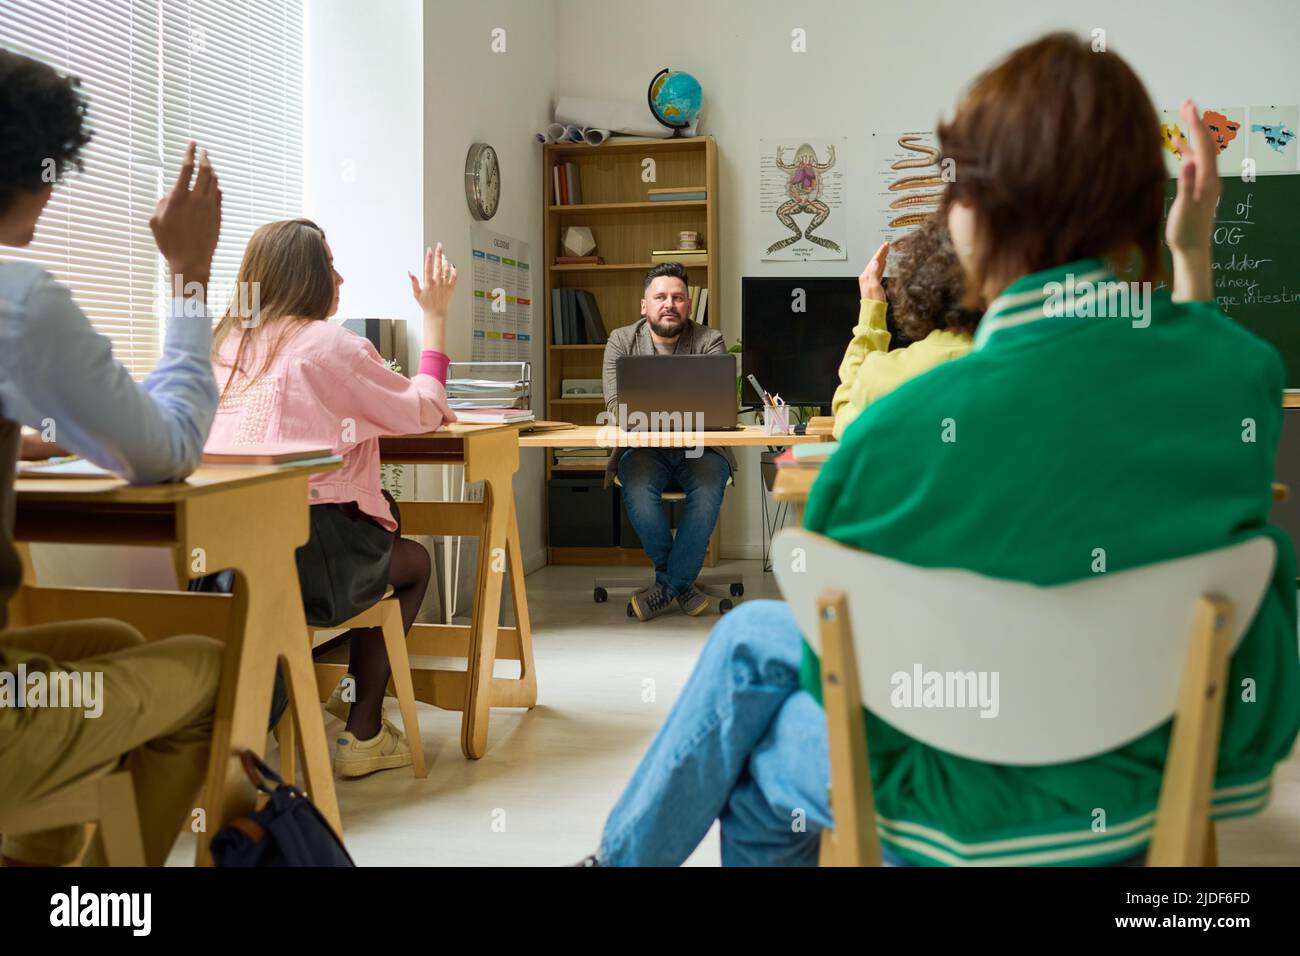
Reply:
x=343 y=567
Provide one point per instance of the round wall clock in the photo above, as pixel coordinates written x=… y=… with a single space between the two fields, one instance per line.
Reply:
x=482 y=181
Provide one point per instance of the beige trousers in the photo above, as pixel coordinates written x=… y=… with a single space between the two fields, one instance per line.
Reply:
x=158 y=698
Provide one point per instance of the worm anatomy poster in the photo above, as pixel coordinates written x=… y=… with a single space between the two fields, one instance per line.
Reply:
x=911 y=182
x=801 y=199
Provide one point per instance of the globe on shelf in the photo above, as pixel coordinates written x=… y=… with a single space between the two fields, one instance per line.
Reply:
x=675 y=98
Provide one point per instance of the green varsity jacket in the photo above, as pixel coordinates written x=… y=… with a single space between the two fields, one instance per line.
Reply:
x=1069 y=434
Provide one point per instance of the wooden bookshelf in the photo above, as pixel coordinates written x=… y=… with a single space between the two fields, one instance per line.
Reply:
x=627 y=228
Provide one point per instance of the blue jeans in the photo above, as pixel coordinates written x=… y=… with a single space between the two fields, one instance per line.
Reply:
x=644 y=474
x=743 y=743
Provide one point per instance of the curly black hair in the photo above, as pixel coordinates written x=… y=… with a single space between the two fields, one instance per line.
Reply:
x=925 y=290
x=42 y=126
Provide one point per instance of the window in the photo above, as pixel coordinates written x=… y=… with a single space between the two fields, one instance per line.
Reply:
x=158 y=73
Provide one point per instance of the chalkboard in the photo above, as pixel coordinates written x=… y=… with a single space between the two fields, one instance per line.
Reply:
x=1257 y=260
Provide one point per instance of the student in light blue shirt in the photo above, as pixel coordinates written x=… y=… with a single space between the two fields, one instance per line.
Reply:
x=158 y=697
x=54 y=367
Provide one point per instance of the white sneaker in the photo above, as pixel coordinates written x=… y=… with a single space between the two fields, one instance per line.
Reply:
x=386 y=750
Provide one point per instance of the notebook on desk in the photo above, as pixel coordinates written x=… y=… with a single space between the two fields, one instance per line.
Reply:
x=267 y=453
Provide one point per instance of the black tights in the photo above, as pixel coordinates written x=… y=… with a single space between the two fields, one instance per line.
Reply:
x=408 y=574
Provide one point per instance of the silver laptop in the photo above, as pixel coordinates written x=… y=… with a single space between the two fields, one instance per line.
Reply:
x=673 y=393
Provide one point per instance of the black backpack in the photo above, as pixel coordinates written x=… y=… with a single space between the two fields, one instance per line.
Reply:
x=288 y=831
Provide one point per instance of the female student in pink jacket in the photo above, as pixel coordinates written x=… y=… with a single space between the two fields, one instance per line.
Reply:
x=287 y=374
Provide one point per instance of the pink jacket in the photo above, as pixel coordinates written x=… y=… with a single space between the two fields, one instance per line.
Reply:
x=329 y=385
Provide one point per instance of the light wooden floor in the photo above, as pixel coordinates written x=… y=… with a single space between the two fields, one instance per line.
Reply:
x=541 y=794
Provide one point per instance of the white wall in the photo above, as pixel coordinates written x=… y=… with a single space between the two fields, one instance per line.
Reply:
x=875 y=68
x=397 y=90
x=364 y=148
x=473 y=94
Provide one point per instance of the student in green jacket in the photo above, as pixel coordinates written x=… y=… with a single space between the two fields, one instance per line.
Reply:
x=925 y=296
x=1072 y=433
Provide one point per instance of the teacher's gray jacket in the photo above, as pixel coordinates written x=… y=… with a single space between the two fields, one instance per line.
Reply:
x=635 y=339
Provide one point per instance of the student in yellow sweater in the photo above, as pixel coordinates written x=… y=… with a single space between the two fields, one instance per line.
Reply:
x=926 y=294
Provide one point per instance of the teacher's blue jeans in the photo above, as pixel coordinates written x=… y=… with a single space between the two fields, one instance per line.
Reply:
x=644 y=474
x=743 y=744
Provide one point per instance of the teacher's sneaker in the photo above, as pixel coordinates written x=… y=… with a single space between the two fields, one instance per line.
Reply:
x=693 y=601
x=386 y=750
x=651 y=602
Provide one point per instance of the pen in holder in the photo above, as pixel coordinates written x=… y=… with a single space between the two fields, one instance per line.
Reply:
x=776 y=419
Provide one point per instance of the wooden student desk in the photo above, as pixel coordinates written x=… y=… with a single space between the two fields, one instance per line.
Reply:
x=490 y=453
x=249 y=518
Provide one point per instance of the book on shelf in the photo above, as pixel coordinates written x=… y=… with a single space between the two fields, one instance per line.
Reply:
x=576 y=318
x=574 y=181
x=685 y=256
x=593 y=323
x=676 y=190
x=566 y=184
x=559 y=185
x=678 y=197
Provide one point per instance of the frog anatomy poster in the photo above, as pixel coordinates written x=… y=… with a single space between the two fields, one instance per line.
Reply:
x=801 y=199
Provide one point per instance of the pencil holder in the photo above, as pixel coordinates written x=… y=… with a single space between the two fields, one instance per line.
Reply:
x=776 y=419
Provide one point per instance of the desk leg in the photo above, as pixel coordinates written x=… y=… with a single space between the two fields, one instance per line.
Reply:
x=255 y=531
x=519 y=600
x=493 y=458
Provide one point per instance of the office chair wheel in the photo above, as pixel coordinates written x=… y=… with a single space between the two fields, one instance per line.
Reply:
x=737 y=590
x=630 y=612
x=724 y=606
x=600 y=595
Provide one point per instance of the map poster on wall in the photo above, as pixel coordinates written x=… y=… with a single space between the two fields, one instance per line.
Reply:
x=503 y=297
x=911 y=182
x=801 y=198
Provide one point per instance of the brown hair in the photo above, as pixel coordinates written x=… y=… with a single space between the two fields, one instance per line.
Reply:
x=289 y=266
x=927 y=286
x=1057 y=150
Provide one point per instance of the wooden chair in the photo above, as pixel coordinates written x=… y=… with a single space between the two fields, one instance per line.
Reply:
x=1084 y=668
x=386 y=615
x=105 y=797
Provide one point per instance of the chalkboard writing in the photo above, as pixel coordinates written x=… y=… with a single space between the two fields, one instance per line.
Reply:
x=1257 y=260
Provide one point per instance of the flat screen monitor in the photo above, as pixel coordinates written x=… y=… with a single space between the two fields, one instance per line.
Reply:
x=792 y=352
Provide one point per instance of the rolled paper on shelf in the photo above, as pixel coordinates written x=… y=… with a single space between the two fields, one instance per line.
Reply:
x=617 y=116
x=594 y=137
x=556 y=132
x=573 y=134
x=544 y=138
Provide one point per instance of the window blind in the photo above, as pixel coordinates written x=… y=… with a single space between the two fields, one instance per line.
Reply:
x=158 y=73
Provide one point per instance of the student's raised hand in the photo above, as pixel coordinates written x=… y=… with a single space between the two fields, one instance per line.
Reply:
x=1191 y=218
x=187 y=222
x=1189 y=227
x=869 y=284
x=434 y=294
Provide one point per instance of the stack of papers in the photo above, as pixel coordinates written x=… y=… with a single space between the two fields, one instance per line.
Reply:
x=484 y=393
x=493 y=416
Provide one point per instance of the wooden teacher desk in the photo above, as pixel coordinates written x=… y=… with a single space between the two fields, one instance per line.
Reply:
x=249 y=518
x=603 y=436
